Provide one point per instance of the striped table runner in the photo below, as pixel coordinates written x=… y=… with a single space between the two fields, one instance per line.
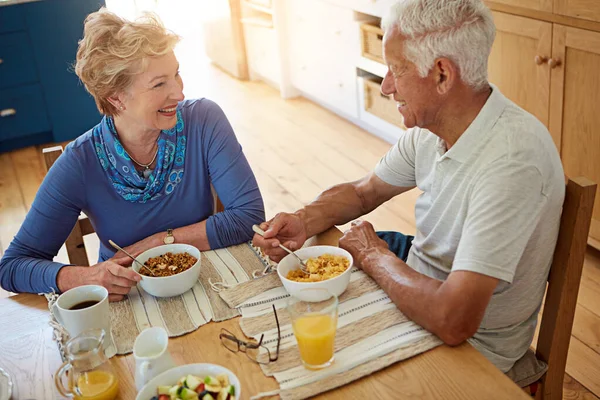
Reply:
x=372 y=334
x=185 y=313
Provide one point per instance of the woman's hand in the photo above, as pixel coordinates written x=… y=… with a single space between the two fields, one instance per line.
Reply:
x=113 y=274
x=139 y=247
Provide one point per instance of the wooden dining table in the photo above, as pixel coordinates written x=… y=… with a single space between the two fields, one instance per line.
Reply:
x=29 y=354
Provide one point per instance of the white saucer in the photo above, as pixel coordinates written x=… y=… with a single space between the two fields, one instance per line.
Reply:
x=6 y=385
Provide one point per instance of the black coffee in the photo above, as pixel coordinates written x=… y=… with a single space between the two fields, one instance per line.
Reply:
x=84 y=304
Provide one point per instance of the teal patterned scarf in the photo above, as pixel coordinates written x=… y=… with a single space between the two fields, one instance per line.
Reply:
x=121 y=171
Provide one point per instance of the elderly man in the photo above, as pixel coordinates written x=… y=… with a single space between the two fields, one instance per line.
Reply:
x=492 y=183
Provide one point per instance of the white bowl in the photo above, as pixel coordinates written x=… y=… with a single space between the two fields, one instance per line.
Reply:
x=174 y=285
x=335 y=286
x=171 y=376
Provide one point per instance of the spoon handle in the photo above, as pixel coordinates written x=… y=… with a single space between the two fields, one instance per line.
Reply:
x=258 y=230
x=116 y=246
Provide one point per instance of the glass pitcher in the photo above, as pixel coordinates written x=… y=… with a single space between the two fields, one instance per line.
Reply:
x=89 y=373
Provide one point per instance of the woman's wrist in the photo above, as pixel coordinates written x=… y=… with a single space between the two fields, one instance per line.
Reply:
x=68 y=277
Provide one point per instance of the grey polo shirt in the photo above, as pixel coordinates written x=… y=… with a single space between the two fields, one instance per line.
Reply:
x=491 y=204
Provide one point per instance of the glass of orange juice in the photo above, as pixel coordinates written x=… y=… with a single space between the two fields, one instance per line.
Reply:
x=314 y=325
x=90 y=375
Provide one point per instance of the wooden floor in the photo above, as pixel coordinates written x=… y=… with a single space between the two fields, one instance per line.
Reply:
x=297 y=149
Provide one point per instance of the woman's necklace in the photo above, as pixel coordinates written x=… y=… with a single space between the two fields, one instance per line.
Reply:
x=147 y=171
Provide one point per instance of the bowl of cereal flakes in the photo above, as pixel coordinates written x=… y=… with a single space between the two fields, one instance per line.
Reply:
x=329 y=268
x=169 y=270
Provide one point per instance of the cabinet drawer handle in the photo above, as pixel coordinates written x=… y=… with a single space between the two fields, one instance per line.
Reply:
x=7 y=112
x=539 y=60
x=554 y=62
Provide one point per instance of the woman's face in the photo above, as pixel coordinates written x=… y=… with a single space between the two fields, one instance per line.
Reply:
x=151 y=100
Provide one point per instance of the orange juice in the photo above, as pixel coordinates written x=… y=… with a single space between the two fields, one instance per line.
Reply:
x=97 y=385
x=315 y=334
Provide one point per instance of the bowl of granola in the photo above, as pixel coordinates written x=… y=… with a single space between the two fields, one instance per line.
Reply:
x=169 y=270
x=329 y=268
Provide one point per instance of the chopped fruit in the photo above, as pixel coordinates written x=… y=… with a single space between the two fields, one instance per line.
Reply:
x=222 y=395
x=200 y=388
x=211 y=381
x=226 y=393
x=174 y=391
x=223 y=380
x=164 y=390
x=188 y=394
x=192 y=382
x=213 y=389
x=192 y=387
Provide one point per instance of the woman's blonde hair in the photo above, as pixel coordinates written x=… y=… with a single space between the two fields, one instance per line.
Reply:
x=113 y=50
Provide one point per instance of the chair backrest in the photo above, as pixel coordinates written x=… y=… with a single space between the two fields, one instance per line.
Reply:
x=563 y=284
x=74 y=243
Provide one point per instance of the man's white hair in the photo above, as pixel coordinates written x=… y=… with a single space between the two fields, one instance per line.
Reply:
x=461 y=30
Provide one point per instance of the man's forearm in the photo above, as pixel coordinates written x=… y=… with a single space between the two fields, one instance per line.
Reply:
x=415 y=294
x=335 y=206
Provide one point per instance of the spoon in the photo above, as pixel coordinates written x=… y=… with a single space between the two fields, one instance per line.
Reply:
x=116 y=246
x=303 y=266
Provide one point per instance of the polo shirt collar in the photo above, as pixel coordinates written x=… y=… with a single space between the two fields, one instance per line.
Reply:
x=477 y=131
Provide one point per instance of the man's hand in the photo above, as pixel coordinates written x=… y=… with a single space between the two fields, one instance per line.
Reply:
x=139 y=247
x=113 y=274
x=452 y=309
x=287 y=229
x=362 y=241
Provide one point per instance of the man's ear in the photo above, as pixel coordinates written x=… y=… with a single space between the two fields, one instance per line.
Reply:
x=446 y=73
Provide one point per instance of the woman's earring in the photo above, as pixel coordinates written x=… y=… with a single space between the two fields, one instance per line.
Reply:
x=121 y=108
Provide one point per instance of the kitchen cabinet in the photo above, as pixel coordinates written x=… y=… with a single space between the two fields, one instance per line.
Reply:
x=323 y=40
x=41 y=98
x=550 y=70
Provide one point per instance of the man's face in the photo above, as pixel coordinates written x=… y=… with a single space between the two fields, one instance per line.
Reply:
x=416 y=97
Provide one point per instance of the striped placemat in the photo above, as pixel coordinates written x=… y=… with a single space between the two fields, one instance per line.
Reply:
x=185 y=313
x=372 y=334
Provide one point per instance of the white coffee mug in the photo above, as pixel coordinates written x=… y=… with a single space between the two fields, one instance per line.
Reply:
x=76 y=321
x=151 y=355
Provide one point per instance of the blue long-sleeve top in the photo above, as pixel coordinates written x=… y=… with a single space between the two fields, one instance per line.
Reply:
x=76 y=182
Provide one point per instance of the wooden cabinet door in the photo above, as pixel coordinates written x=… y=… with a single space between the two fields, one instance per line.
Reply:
x=71 y=110
x=512 y=64
x=540 y=5
x=586 y=9
x=323 y=43
x=575 y=105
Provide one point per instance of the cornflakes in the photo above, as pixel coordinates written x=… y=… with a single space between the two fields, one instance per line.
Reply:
x=320 y=269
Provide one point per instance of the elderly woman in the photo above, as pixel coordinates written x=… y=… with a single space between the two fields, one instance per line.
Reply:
x=143 y=175
x=492 y=182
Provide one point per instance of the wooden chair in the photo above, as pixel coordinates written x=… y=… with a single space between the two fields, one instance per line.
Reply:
x=563 y=286
x=75 y=244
